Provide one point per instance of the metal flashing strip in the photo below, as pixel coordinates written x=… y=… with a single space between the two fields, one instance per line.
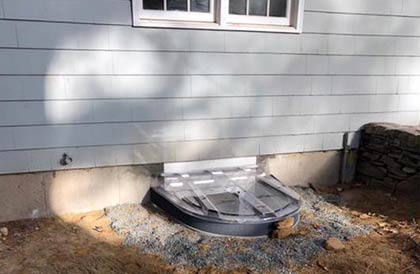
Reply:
x=185 y=167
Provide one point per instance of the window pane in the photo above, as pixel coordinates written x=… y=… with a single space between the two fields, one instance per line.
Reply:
x=237 y=6
x=278 y=8
x=200 y=5
x=153 y=4
x=177 y=5
x=258 y=7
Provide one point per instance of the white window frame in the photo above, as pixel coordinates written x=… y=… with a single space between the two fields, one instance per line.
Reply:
x=219 y=18
x=260 y=20
x=176 y=15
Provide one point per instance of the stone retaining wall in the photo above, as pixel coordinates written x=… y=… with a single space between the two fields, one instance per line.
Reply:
x=389 y=156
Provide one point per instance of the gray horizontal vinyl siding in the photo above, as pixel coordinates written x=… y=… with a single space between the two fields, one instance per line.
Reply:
x=76 y=78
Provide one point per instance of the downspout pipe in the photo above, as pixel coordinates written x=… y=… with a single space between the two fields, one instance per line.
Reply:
x=344 y=159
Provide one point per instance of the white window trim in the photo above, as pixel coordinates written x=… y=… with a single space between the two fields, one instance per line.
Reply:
x=219 y=18
x=187 y=16
x=260 y=20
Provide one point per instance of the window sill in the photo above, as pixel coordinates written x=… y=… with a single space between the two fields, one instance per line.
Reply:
x=215 y=26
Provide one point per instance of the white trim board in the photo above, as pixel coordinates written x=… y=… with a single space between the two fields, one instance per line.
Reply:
x=184 y=167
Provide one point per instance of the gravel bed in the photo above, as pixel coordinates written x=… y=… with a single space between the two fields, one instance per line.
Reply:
x=156 y=233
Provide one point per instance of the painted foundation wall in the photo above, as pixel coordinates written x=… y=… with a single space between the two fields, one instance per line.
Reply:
x=77 y=78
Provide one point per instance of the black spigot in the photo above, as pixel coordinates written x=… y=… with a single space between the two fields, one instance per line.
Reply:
x=65 y=160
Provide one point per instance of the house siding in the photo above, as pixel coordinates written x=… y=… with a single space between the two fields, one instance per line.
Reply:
x=77 y=78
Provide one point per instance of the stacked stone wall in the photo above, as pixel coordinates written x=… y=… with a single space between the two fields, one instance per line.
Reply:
x=389 y=156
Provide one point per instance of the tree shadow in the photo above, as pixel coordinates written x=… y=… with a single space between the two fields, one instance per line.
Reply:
x=130 y=140
x=381 y=202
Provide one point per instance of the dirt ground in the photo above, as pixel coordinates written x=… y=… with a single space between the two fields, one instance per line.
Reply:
x=393 y=246
x=86 y=244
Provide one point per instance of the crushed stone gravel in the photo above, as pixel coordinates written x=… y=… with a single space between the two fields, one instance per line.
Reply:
x=156 y=233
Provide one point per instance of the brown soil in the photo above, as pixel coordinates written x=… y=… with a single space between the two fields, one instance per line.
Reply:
x=73 y=244
x=393 y=246
x=86 y=244
x=76 y=244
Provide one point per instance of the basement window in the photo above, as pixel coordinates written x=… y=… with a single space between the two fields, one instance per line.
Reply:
x=253 y=15
x=235 y=201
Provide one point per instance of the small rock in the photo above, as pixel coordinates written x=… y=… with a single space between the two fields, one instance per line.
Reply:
x=393 y=231
x=316 y=226
x=390 y=230
x=321 y=265
x=382 y=224
x=283 y=233
x=284 y=229
x=303 y=232
x=364 y=216
x=36 y=228
x=409 y=170
x=98 y=229
x=286 y=223
x=334 y=244
x=4 y=231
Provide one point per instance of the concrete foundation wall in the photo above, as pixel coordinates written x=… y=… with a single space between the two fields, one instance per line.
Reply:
x=302 y=169
x=43 y=194
x=34 y=195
